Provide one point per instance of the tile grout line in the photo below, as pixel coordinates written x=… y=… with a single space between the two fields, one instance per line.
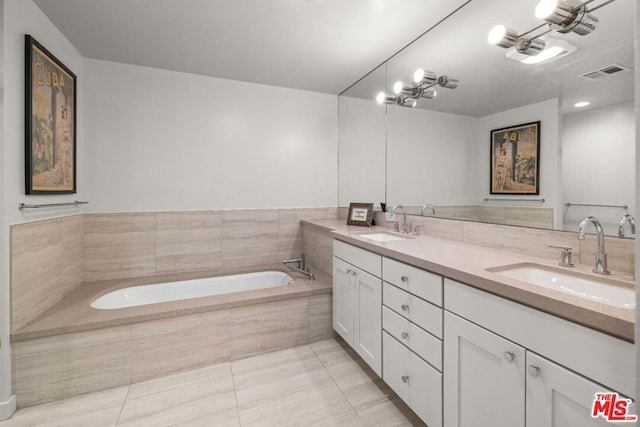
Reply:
x=336 y=384
x=235 y=394
x=123 y=403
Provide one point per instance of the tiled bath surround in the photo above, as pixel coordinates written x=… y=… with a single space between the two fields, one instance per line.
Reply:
x=49 y=259
x=52 y=258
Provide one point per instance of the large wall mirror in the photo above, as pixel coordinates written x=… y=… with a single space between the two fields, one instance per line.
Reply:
x=438 y=152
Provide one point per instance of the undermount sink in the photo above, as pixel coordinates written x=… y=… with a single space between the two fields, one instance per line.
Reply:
x=604 y=291
x=382 y=236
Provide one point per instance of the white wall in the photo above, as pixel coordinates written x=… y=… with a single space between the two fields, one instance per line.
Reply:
x=548 y=113
x=427 y=157
x=362 y=163
x=24 y=17
x=164 y=140
x=599 y=164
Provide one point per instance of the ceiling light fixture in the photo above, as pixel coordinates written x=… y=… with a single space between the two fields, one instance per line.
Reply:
x=562 y=16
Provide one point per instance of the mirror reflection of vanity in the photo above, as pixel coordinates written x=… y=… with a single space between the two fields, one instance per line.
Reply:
x=438 y=153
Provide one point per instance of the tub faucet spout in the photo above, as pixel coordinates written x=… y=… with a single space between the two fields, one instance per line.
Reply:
x=300 y=266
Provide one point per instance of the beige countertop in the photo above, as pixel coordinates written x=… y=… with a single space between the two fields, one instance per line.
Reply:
x=74 y=312
x=468 y=264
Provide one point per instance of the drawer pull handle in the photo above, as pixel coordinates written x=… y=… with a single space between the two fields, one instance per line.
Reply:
x=405 y=279
x=405 y=335
x=509 y=356
x=405 y=307
x=405 y=378
x=534 y=371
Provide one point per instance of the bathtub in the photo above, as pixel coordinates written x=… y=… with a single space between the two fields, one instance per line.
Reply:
x=174 y=291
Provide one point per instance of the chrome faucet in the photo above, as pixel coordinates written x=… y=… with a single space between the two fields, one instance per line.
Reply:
x=601 y=256
x=300 y=266
x=632 y=224
x=404 y=216
x=425 y=207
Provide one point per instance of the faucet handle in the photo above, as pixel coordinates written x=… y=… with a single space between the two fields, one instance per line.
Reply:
x=565 y=255
x=416 y=230
x=396 y=226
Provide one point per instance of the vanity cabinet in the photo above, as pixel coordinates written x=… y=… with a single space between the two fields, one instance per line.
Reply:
x=508 y=365
x=357 y=299
x=412 y=337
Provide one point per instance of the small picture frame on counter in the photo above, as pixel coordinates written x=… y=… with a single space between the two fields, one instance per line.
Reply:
x=360 y=214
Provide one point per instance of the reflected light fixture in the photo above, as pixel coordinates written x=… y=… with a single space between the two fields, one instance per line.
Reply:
x=407 y=95
x=581 y=104
x=562 y=16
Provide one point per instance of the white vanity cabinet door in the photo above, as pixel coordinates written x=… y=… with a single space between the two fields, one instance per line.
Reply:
x=343 y=299
x=557 y=397
x=367 y=339
x=484 y=381
x=417 y=383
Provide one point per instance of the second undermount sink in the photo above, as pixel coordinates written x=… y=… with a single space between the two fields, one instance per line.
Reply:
x=604 y=291
x=382 y=236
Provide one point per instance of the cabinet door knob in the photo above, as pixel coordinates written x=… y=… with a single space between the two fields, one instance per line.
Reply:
x=405 y=307
x=509 y=356
x=534 y=371
x=405 y=279
x=354 y=273
x=405 y=335
x=348 y=271
x=405 y=378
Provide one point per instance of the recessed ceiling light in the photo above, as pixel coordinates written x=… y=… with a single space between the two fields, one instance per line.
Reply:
x=581 y=104
x=544 y=55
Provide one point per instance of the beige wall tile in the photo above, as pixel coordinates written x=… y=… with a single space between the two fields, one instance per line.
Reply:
x=85 y=366
x=318 y=248
x=72 y=252
x=119 y=246
x=262 y=328
x=178 y=344
x=188 y=241
x=532 y=217
x=529 y=241
x=440 y=228
x=321 y=318
x=290 y=229
x=620 y=253
x=36 y=269
x=250 y=237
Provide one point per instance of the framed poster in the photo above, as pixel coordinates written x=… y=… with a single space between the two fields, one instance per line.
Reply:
x=360 y=214
x=50 y=117
x=515 y=159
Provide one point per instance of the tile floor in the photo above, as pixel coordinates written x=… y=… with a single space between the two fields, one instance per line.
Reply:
x=321 y=384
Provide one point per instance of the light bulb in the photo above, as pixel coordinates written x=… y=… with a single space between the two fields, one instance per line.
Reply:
x=380 y=97
x=418 y=75
x=496 y=34
x=545 y=8
x=397 y=87
x=581 y=104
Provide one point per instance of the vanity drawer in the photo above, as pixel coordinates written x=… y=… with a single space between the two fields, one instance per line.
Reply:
x=419 y=282
x=415 y=382
x=365 y=260
x=420 y=312
x=420 y=342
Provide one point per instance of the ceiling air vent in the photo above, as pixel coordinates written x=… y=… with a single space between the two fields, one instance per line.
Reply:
x=605 y=72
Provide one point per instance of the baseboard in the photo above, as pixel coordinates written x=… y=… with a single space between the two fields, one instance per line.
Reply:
x=7 y=408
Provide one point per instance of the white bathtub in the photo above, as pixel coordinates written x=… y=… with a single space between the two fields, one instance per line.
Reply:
x=197 y=288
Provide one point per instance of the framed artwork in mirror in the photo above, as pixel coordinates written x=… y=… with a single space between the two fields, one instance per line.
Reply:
x=360 y=214
x=50 y=117
x=515 y=159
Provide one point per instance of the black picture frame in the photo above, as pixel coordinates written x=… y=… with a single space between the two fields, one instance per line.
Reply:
x=50 y=123
x=515 y=160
